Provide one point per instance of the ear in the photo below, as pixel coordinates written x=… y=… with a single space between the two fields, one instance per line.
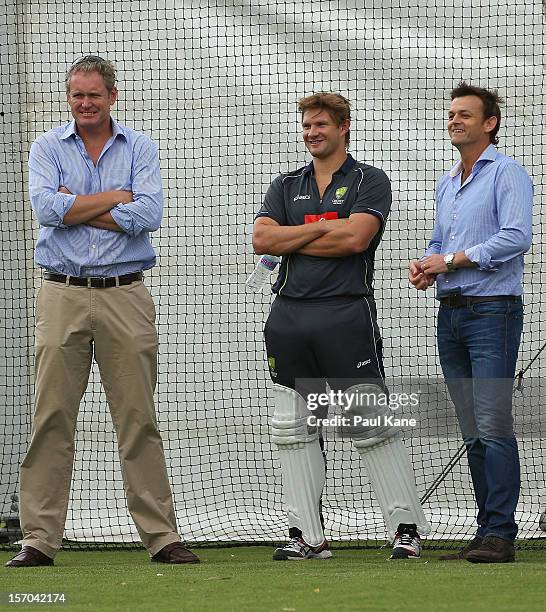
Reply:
x=113 y=95
x=345 y=126
x=490 y=124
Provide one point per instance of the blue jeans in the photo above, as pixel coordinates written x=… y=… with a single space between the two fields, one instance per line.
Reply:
x=478 y=347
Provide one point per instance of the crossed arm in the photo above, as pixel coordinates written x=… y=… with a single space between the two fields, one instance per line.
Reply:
x=327 y=238
x=95 y=209
x=57 y=203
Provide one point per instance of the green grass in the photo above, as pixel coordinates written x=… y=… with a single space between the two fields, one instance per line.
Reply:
x=246 y=579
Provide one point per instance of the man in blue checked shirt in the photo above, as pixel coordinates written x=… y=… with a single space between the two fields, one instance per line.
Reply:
x=95 y=188
x=475 y=257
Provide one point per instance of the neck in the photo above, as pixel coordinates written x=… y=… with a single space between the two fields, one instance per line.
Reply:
x=96 y=134
x=330 y=164
x=470 y=155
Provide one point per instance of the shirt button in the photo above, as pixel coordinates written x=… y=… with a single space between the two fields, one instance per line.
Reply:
x=454 y=216
x=451 y=237
x=93 y=246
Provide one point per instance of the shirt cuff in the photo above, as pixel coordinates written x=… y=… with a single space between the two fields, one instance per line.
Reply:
x=268 y=215
x=478 y=255
x=62 y=203
x=429 y=252
x=124 y=219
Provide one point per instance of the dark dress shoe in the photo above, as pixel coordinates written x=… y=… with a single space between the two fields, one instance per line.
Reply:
x=493 y=550
x=29 y=557
x=461 y=554
x=175 y=553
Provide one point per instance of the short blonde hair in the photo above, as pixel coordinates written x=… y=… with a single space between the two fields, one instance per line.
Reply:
x=93 y=63
x=335 y=104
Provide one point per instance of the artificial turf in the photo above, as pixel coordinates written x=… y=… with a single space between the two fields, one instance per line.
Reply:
x=246 y=579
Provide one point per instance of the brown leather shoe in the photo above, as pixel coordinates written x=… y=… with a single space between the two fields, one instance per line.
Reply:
x=493 y=550
x=461 y=554
x=29 y=557
x=175 y=553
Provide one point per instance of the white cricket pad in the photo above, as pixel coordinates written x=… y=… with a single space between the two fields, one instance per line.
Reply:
x=302 y=463
x=391 y=475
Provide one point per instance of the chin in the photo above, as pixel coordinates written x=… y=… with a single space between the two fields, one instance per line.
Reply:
x=320 y=154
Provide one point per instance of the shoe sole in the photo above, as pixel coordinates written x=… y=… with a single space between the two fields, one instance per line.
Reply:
x=39 y=565
x=472 y=560
x=176 y=562
x=402 y=552
x=325 y=554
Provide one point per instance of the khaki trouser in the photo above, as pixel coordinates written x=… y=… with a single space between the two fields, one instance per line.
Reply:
x=119 y=323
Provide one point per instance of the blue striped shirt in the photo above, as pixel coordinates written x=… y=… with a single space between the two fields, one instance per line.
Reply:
x=490 y=219
x=128 y=162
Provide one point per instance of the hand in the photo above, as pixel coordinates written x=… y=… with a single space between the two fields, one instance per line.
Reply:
x=417 y=276
x=63 y=189
x=434 y=264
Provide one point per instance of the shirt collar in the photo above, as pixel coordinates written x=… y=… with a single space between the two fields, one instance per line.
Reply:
x=344 y=169
x=70 y=130
x=117 y=130
x=489 y=154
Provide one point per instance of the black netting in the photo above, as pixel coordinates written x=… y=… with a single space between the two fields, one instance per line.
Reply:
x=215 y=83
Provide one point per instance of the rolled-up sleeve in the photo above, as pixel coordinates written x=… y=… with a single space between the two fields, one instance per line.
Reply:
x=435 y=244
x=514 y=197
x=50 y=206
x=145 y=211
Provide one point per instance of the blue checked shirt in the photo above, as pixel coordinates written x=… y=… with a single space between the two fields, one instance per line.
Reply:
x=490 y=219
x=128 y=162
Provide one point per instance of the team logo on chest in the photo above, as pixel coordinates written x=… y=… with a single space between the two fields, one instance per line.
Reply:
x=340 y=192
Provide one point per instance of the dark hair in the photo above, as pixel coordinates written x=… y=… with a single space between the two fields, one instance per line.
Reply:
x=491 y=103
x=335 y=104
x=93 y=63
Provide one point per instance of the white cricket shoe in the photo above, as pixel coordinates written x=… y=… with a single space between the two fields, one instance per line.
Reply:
x=296 y=550
x=407 y=543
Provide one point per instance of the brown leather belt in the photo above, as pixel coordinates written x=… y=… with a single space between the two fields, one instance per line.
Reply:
x=462 y=301
x=94 y=282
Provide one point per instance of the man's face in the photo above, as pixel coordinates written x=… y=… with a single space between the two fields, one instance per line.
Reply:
x=90 y=100
x=321 y=135
x=466 y=124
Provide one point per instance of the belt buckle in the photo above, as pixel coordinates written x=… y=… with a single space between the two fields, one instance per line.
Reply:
x=96 y=282
x=454 y=300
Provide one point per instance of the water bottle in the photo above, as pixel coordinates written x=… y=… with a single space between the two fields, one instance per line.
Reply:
x=260 y=276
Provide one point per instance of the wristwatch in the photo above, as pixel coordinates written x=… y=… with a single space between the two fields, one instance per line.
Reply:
x=449 y=261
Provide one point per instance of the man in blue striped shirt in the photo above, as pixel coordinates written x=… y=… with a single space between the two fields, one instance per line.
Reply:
x=475 y=256
x=95 y=189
